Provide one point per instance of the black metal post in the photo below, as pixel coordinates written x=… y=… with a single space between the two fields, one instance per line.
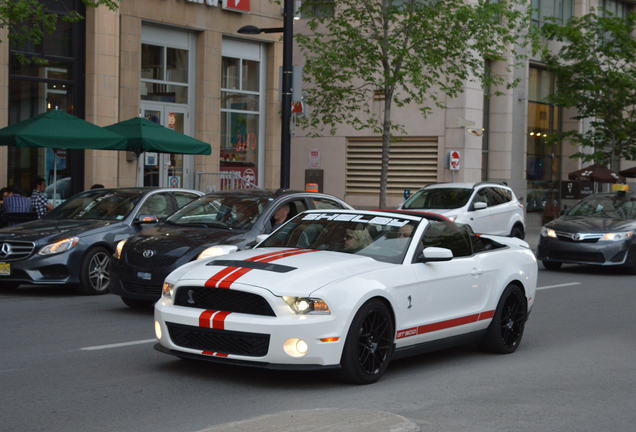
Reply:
x=285 y=139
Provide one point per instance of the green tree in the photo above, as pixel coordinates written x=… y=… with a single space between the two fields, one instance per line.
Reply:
x=28 y=21
x=404 y=51
x=595 y=73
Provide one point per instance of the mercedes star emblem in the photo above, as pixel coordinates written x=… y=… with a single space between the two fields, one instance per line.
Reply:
x=5 y=250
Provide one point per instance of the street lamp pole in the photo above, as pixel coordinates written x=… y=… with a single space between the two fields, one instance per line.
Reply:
x=285 y=139
x=288 y=40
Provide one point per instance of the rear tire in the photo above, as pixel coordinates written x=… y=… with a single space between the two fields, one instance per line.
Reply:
x=505 y=331
x=137 y=304
x=551 y=265
x=518 y=232
x=369 y=344
x=95 y=272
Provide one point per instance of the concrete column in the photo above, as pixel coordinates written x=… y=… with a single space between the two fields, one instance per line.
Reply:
x=4 y=101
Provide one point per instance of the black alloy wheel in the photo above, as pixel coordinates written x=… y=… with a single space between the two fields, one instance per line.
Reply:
x=95 y=272
x=551 y=265
x=517 y=231
x=369 y=344
x=504 y=333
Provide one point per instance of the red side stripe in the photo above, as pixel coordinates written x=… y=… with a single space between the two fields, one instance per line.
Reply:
x=218 y=322
x=210 y=353
x=204 y=318
x=427 y=328
x=221 y=355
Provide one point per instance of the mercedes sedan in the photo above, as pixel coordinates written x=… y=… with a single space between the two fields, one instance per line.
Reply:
x=74 y=243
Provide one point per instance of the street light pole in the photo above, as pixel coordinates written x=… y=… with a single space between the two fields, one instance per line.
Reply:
x=285 y=139
x=288 y=40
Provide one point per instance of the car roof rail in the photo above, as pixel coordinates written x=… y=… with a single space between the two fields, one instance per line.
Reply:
x=502 y=183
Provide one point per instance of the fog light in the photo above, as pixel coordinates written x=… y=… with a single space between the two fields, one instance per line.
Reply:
x=295 y=347
x=158 y=330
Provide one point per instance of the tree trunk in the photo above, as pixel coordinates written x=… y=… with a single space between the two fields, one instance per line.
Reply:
x=386 y=145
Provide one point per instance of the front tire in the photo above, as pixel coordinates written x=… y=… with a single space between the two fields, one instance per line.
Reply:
x=518 y=232
x=505 y=331
x=95 y=272
x=369 y=344
x=551 y=265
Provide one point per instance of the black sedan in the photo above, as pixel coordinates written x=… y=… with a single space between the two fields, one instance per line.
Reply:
x=74 y=243
x=598 y=230
x=215 y=224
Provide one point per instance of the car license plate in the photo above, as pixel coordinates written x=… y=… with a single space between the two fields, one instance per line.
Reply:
x=144 y=276
x=5 y=269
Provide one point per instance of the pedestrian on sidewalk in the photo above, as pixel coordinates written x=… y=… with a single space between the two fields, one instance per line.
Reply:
x=39 y=202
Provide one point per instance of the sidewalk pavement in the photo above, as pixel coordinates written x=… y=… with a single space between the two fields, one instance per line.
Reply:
x=322 y=420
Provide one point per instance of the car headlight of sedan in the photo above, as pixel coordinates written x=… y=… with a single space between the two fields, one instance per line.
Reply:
x=548 y=232
x=59 y=246
x=119 y=248
x=617 y=236
x=217 y=250
x=167 y=291
x=306 y=305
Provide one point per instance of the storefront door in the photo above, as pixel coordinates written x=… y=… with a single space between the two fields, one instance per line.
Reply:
x=161 y=169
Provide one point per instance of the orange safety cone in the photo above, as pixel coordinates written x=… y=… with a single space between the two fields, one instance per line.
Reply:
x=311 y=187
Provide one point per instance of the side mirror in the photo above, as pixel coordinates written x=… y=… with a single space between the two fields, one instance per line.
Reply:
x=261 y=237
x=480 y=205
x=435 y=254
x=146 y=219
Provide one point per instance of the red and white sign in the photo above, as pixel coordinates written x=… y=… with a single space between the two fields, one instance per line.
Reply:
x=454 y=160
x=236 y=5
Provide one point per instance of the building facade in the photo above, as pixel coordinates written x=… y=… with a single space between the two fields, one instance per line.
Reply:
x=180 y=63
x=499 y=137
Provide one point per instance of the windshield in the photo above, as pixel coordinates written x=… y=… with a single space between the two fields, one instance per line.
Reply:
x=383 y=238
x=438 y=198
x=100 y=204
x=223 y=211
x=606 y=207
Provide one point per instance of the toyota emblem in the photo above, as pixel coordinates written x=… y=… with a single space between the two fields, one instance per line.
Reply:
x=148 y=253
x=5 y=250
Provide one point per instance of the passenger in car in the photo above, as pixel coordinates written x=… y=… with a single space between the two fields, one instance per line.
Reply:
x=354 y=240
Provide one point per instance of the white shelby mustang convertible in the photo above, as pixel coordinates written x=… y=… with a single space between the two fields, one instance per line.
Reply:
x=351 y=290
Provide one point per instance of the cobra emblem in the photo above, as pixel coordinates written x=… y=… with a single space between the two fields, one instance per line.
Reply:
x=190 y=297
x=148 y=253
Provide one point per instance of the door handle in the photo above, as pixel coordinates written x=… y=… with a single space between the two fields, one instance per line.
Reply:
x=477 y=272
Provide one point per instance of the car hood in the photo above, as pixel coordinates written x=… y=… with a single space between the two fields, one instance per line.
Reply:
x=282 y=271
x=45 y=230
x=587 y=224
x=165 y=238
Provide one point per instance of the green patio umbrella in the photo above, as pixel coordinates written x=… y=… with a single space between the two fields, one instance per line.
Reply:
x=146 y=136
x=58 y=129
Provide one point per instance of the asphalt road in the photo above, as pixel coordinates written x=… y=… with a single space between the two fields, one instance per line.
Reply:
x=71 y=363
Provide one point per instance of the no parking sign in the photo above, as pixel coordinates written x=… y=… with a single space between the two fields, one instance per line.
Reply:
x=454 y=160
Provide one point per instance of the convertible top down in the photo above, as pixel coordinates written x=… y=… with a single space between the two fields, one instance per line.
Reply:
x=351 y=290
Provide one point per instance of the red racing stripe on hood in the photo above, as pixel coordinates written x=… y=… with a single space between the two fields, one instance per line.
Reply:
x=214 y=281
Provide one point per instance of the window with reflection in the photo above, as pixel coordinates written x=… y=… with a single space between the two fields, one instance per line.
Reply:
x=164 y=74
x=240 y=116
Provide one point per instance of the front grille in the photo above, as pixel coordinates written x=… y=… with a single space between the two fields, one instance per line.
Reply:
x=577 y=256
x=137 y=259
x=221 y=341
x=143 y=289
x=13 y=250
x=222 y=299
x=578 y=238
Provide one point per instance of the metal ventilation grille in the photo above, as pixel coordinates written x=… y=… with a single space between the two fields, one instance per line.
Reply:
x=412 y=164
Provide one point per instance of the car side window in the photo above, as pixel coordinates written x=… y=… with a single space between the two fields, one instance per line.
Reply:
x=498 y=196
x=158 y=205
x=482 y=196
x=182 y=198
x=325 y=204
x=285 y=212
x=447 y=235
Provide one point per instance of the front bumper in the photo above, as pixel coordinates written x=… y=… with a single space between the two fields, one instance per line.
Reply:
x=605 y=253
x=59 y=269
x=234 y=340
x=136 y=282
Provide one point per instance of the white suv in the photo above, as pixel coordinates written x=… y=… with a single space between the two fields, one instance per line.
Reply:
x=489 y=208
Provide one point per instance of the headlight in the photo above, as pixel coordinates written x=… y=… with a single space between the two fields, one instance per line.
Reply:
x=306 y=305
x=167 y=290
x=548 y=232
x=119 y=248
x=617 y=236
x=59 y=246
x=217 y=251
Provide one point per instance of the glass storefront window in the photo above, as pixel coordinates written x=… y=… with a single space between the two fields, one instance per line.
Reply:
x=163 y=92
x=161 y=67
x=177 y=65
x=240 y=116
